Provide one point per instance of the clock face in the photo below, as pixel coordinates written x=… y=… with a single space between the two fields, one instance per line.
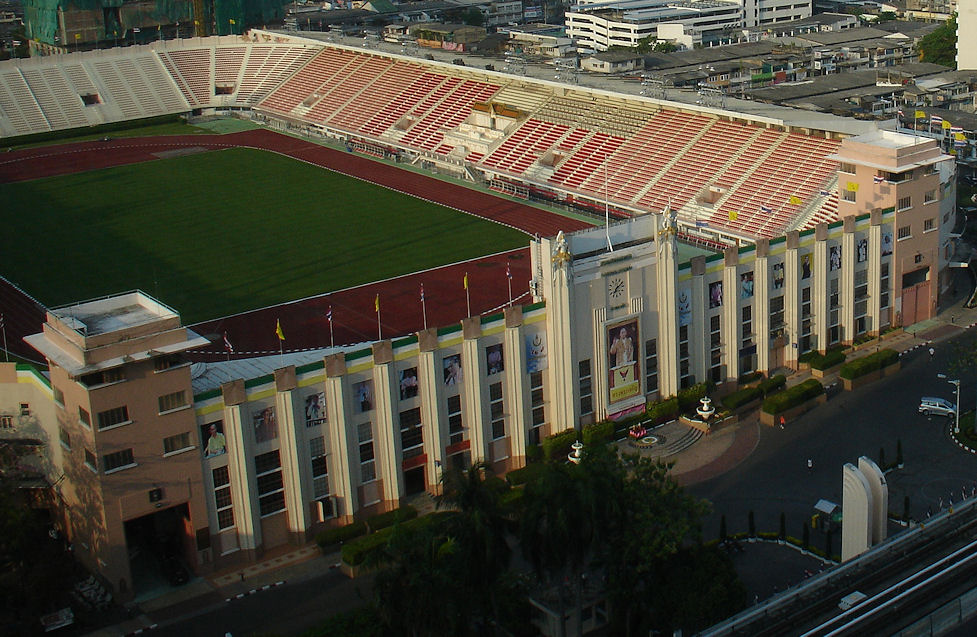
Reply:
x=615 y=287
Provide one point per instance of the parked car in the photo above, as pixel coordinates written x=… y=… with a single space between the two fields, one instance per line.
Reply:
x=939 y=406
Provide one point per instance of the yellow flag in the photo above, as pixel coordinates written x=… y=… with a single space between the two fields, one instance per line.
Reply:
x=376 y=304
x=946 y=125
x=466 y=280
x=278 y=330
x=960 y=137
x=794 y=200
x=920 y=115
x=231 y=20
x=852 y=187
x=732 y=215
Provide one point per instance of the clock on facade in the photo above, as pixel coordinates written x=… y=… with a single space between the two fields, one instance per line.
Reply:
x=615 y=287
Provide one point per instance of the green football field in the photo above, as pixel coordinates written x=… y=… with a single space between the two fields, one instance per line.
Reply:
x=222 y=232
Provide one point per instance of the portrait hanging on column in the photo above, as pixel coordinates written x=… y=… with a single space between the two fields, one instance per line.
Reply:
x=624 y=380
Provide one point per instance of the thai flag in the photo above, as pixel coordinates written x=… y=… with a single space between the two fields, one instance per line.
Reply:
x=936 y=120
x=227 y=344
x=823 y=193
x=508 y=272
x=876 y=179
x=956 y=129
x=766 y=209
x=422 y=292
x=329 y=314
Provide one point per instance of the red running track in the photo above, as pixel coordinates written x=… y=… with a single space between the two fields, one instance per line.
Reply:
x=304 y=321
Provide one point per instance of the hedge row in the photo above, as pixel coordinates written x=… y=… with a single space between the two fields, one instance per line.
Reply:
x=868 y=364
x=599 y=432
x=826 y=360
x=357 y=551
x=793 y=396
x=333 y=536
x=525 y=474
x=383 y=520
x=558 y=445
x=741 y=397
x=772 y=384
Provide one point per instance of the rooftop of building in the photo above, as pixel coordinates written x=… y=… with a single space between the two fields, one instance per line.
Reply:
x=208 y=376
x=113 y=313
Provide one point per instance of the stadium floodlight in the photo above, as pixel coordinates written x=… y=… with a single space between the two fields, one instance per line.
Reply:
x=514 y=64
x=566 y=71
x=711 y=96
x=653 y=86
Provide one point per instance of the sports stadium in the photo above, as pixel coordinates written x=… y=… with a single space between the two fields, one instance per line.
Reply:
x=310 y=350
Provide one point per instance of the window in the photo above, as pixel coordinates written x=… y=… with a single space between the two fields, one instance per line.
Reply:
x=113 y=417
x=746 y=323
x=684 y=369
x=651 y=366
x=368 y=470
x=163 y=363
x=179 y=442
x=536 y=402
x=58 y=395
x=90 y=460
x=777 y=313
x=496 y=409
x=222 y=498
x=903 y=233
x=173 y=401
x=6 y=422
x=25 y=409
x=65 y=438
x=905 y=202
x=833 y=293
x=848 y=195
x=411 y=433
x=84 y=418
x=845 y=167
x=929 y=196
x=271 y=489
x=118 y=460
x=104 y=377
x=586 y=387
x=929 y=224
x=320 y=472
x=715 y=349
x=456 y=431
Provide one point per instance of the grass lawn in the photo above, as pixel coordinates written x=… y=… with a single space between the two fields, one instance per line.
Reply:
x=148 y=130
x=222 y=232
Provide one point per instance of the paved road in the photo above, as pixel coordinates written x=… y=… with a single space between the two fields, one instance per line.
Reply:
x=775 y=477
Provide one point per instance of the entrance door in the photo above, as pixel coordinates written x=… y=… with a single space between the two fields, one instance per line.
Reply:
x=915 y=303
x=414 y=481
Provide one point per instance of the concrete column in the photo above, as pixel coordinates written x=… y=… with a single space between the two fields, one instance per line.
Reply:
x=387 y=433
x=431 y=393
x=293 y=454
x=761 y=305
x=792 y=298
x=345 y=452
x=819 y=287
x=559 y=374
x=846 y=284
x=516 y=389
x=240 y=470
x=731 y=315
x=667 y=284
x=475 y=402
x=875 y=272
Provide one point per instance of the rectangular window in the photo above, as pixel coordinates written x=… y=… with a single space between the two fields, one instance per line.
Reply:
x=904 y=233
x=25 y=409
x=929 y=224
x=497 y=411
x=715 y=349
x=777 y=313
x=84 y=418
x=118 y=460
x=845 y=167
x=104 y=377
x=833 y=295
x=746 y=322
x=929 y=196
x=169 y=402
x=163 y=363
x=113 y=417
x=905 y=202
x=6 y=422
x=368 y=470
x=271 y=488
x=536 y=402
x=90 y=460
x=586 y=387
x=222 y=498
x=179 y=442
x=320 y=471
x=65 y=438
x=651 y=366
x=58 y=395
x=411 y=433
x=848 y=195
x=684 y=369
x=456 y=431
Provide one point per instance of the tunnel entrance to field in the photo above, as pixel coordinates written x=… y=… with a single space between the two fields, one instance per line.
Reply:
x=159 y=546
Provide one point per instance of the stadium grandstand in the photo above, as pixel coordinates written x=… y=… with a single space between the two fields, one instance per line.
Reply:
x=732 y=177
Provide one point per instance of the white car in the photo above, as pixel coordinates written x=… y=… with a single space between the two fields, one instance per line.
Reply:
x=939 y=406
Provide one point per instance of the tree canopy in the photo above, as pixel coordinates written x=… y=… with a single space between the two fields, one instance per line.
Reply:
x=940 y=46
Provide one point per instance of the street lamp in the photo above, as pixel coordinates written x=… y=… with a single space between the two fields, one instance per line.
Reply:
x=956 y=383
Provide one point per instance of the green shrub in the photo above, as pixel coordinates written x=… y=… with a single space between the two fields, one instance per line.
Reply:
x=558 y=445
x=828 y=359
x=598 y=432
x=741 y=397
x=526 y=474
x=793 y=396
x=356 y=551
x=384 y=520
x=512 y=499
x=689 y=397
x=534 y=453
x=663 y=410
x=772 y=384
x=868 y=364
x=334 y=536
x=750 y=377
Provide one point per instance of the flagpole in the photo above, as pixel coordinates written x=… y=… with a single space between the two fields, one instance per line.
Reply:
x=281 y=352
x=379 y=328
x=423 y=306
x=508 y=276
x=468 y=296
x=6 y=353
x=332 y=339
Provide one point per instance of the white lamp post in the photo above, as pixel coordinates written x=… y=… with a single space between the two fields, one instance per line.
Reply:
x=956 y=383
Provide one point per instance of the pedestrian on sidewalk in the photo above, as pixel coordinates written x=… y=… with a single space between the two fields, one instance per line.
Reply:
x=810 y=465
x=932 y=352
x=782 y=421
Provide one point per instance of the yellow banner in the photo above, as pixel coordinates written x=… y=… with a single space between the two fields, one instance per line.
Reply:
x=946 y=125
x=920 y=115
x=851 y=186
x=733 y=215
x=794 y=200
